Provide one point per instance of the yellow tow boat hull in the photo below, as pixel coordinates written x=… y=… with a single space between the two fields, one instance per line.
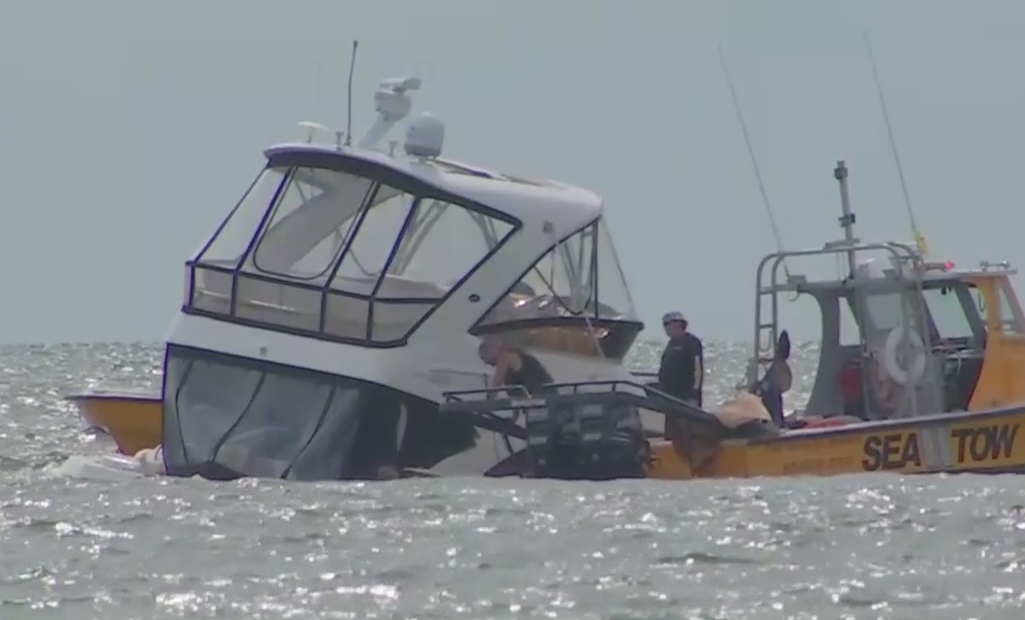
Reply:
x=982 y=442
x=133 y=419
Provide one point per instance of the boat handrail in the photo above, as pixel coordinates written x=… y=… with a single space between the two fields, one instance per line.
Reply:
x=900 y=253
x=639 y=395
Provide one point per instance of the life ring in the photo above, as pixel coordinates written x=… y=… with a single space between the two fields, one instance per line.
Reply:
x=916 y=368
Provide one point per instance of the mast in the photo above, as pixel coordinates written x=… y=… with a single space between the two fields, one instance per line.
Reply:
x=847 y=218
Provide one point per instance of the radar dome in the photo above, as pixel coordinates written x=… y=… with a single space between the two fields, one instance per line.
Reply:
x=871 y=269
x=425 y=136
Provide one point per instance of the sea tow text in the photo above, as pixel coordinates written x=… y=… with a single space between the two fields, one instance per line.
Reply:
x=902 y=450
x=986 y=443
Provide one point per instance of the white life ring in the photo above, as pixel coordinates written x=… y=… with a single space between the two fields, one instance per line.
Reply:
x=916 y=368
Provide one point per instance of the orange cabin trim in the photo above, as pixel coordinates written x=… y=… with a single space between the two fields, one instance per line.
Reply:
x=1002 y=378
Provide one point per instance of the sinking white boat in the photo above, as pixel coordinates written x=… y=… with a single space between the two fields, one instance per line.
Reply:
x=347 y=292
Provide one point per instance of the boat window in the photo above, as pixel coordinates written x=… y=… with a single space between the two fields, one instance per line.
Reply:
x=565 y=282
x=571 y=299
x=850 y=333
x=212 y=389
x=234 y=235
x=886 y=311
x=314 y=213
x=1010 y=313
x=947 y=312
x=226 y=417
x=427 y=252
x=367 y=255
x=340 y=255
x=408 y=253
x=1011 y=318
x=409 y=248
x=612 y=288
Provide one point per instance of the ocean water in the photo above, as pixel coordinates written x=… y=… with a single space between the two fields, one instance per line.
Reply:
x=866 y=546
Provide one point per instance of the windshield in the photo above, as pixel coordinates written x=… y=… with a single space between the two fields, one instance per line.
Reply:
x=574 y=299
x=324 y=250
x=946 y=304
x=579 y=277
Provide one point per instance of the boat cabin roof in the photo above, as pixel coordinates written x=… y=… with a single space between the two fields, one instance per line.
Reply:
x=566 y=206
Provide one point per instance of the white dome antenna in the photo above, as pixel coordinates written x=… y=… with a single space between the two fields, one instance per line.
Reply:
x=425 y=136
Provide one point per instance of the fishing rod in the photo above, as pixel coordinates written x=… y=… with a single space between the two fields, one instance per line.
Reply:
x=919 y=238
x=754 y=160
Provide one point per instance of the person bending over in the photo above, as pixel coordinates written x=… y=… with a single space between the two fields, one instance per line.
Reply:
x=513 y=366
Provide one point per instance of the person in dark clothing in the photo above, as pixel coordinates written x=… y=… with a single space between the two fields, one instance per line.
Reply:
x=682 y=371
x=513 y=366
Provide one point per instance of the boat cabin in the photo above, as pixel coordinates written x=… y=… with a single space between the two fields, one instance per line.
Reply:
x=931 y=337
x=349 y=284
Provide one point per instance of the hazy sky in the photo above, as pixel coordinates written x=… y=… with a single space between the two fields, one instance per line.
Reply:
x=130 y=128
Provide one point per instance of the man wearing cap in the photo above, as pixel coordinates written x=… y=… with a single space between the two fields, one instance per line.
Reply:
x=682 y=371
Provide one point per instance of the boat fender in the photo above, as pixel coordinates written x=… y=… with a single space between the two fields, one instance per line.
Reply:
x=916 y=368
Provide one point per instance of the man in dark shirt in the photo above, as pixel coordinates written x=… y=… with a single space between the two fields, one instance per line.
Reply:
x=682 y=371
x=513 y=366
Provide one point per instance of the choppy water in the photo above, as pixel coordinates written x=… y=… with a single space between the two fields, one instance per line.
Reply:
x=871 y=546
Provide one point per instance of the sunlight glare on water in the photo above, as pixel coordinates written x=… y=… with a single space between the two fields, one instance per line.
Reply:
x=867 y=546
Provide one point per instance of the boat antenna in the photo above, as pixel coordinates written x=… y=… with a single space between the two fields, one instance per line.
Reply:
x=754 y=160
x=352 y=70
x=318 y=89
x=919 y=239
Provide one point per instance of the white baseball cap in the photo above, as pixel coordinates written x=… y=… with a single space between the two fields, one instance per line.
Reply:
x=670 y=317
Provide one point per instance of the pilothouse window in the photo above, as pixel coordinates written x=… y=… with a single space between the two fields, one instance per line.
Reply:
x=574 y=299
x=432 y=244
x=948 y=311
x=313 y=215
x=367 y=256
x=326 y=251
x=229 y=243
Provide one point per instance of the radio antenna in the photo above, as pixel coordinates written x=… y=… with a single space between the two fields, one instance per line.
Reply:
x=919 y=239
x=352 y=70
x=754 y=160
x=318 y=90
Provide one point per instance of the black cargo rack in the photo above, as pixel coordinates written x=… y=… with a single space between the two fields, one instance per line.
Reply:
x=488 y=404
